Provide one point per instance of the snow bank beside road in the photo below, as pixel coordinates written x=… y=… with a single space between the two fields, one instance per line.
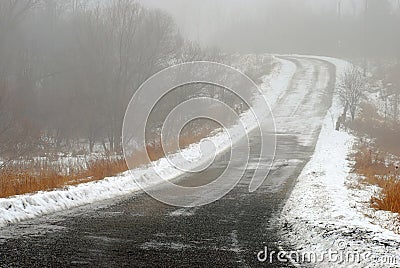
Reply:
x=25 y=207
x=321 y=213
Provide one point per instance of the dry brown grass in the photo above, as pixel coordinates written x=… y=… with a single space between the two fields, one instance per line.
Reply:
x=16 y=180
x=371 y=161
x=389 y=199
x=385 y=131
x=371 y=164
x=42 y=175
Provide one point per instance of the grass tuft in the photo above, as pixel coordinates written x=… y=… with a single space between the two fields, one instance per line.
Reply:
x=30 y=176
x=17 y=180
x=371 y=164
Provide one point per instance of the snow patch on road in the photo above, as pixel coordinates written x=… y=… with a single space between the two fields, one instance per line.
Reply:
x=322 y=213
x=275 y=84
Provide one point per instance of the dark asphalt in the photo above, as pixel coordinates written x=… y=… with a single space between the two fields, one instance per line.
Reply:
x=137 y=231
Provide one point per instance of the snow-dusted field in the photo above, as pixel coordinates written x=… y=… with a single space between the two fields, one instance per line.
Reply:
x=324 y=215
x=28 y=206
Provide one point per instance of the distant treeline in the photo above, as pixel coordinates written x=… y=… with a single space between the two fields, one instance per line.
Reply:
x=68 y=71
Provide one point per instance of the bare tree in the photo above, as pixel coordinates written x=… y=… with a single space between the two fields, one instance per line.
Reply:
x=15 y=72
x=70 y=71
x=351 y=90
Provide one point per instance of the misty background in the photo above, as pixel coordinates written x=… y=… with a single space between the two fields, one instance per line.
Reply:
x=68 y=68
x=334 y=27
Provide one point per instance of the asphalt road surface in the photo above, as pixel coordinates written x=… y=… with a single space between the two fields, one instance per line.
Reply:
x=138 y=231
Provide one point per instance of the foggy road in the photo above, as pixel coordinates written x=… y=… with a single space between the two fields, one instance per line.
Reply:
x=138 y=231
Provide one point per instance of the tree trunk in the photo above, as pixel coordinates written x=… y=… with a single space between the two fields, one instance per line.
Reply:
x=353 y=113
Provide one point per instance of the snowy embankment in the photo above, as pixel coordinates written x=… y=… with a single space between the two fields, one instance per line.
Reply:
x=322 y=214
x=29 y=206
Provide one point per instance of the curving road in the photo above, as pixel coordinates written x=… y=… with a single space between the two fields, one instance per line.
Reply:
x=137 y=231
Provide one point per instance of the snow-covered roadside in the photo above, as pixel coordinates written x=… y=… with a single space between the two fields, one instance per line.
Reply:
x=275 y=84
x=29 y=206
x=321 y=215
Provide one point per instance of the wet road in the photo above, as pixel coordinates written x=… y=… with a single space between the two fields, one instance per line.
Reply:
x=137 y=231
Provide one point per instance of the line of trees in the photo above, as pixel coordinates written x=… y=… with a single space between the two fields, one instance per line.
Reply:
x=68 y=70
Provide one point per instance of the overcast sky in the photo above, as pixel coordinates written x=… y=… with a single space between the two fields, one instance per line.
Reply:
x=201 y=19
